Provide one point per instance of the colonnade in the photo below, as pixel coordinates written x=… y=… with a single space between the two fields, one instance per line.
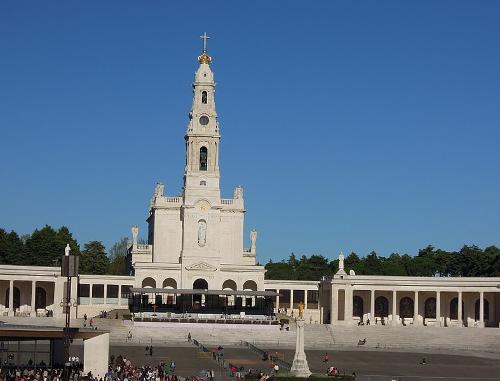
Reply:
x=101 y=298
x=17 y=298
x=426 y=307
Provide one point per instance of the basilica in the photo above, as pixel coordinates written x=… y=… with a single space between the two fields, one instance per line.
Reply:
x=196 y=267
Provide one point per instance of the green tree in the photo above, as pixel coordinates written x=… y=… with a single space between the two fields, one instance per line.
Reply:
x=118 y=257
x=279 y=270
x=45 y=247
x=372 y=264
x=312 y=268
x=11 y=248
x=292 y=261
x=394 y=265
x=93 y=259
x=353 y=262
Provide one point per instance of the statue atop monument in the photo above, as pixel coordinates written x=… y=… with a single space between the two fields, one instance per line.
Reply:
x=341 y=270
x=238 y=192
x=253 y=240
x=301 y=310
x=159 y=189
x=135 y=234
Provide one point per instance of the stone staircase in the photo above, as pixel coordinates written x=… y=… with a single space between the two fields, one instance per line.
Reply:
x=446 y=338
x=317 y=336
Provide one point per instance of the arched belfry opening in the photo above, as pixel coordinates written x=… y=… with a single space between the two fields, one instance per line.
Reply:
x=204 y=97
x=203 y=158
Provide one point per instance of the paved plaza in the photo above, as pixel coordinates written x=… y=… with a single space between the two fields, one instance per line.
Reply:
x=442 y=366
x=368 y=364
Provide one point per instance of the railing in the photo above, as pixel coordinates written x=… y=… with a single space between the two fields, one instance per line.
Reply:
x=282 y=363
x=173 y=199
x=226 y=201
x=143 y=246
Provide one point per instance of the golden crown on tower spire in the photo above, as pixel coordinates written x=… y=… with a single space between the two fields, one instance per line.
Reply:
x=204 y=58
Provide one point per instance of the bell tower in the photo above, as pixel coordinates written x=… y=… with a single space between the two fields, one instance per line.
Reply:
x=201 y=174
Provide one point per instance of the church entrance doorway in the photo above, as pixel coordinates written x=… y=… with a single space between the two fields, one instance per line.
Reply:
x=198 y=300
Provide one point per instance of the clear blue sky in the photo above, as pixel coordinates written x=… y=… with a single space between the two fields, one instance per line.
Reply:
x=358 y=126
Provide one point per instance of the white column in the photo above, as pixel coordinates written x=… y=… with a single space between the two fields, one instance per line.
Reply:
x=348 y=304
x=334 y=311
x=372 y=306
x=33 y=292
x=438 y=308
x=481 y=309
x=305 y=299
x=395 y=320
x=291 y=300
x=277 y=300
x=11 y=298
x=105 y=294
x=460 y=320
x=119 y=295
x=90 y=294
x=415 y=309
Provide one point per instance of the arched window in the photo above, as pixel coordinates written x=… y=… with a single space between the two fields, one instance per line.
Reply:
x=406 y=307
x=229 y=285
x=203 y=158
x=250 y=285
x=170 y=283
x=204 y=97
x=203 y=183
x=200 y=284
x=148 y=283
x=357 y=306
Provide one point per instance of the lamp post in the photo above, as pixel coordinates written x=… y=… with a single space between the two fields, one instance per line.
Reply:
x=69 y=269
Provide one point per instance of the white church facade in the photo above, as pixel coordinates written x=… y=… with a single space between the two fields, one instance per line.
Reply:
x=198 y=236
x=196 y=262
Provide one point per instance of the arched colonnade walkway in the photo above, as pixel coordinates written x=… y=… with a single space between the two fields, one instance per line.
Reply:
x=403 y=307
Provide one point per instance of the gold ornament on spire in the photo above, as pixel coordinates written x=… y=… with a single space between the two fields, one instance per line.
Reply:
x=204 y=58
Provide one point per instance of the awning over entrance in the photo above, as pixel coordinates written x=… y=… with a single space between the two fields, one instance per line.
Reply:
x=160 y=301
x=149 y=290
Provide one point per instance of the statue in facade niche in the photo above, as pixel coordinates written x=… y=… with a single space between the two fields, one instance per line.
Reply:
x=202 y=233
x=253 y=240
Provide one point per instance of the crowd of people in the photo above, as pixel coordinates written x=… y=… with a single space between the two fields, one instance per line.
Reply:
x=42 y=374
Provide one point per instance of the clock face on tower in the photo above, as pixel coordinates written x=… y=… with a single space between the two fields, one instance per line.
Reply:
x=204 y=120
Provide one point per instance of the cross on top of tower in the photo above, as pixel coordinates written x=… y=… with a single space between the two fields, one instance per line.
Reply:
x=204 y=38
x=204 y=58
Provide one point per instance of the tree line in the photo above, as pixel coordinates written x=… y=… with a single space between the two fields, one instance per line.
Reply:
x=469 y=261
x=45 y=247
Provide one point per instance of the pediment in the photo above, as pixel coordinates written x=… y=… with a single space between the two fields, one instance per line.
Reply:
x=201 y=266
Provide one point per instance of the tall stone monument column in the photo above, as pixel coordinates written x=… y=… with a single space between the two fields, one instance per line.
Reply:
x=300 y=367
